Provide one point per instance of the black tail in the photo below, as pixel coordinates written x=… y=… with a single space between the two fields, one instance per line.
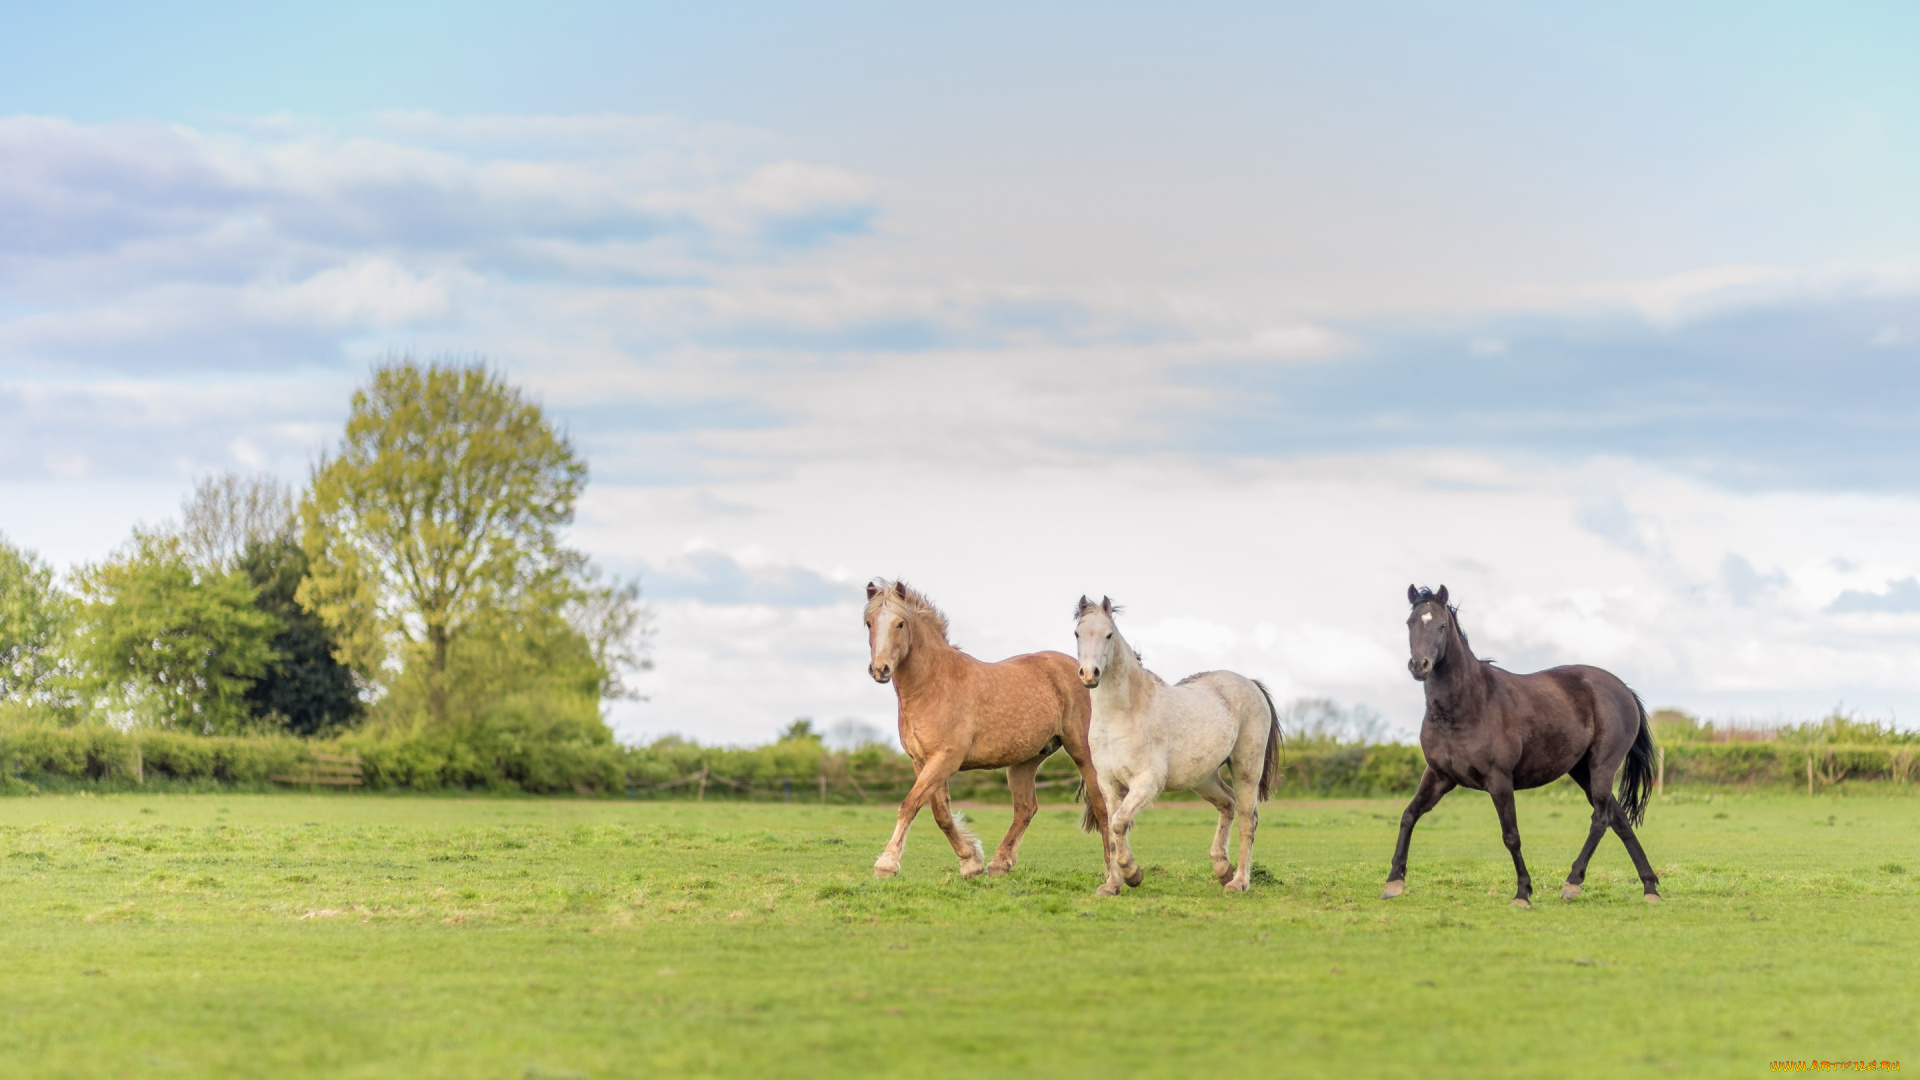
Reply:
x=1270 y=769
x=1087 y=821
x=1636 y=779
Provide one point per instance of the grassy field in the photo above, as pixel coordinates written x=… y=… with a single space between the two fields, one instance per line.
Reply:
x=364 y=936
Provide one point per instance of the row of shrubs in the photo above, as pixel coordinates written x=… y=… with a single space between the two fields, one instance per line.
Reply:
x=800 y=769
x=1394 y=769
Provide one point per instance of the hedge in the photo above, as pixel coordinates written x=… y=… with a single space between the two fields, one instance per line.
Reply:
x=1784 y=764
x=40 y=757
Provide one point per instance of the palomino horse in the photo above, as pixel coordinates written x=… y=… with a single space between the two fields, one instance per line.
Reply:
x=1497 y=732
x=960 y=713
x=1149 y=737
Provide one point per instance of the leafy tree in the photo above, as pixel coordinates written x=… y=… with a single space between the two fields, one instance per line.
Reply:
x=801 y=730
x=305 y=689
x=433 y=539
x=34 y=616
x=246 y=523
x=176 y=644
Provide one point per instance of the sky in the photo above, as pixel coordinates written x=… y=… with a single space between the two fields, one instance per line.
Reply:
x=1245 y=315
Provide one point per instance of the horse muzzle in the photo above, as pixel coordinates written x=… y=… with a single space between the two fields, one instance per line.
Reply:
x=1090 y=677
x=880 y=672
x=1420 y=668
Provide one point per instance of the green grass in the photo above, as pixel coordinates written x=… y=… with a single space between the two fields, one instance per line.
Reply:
x=365 y=936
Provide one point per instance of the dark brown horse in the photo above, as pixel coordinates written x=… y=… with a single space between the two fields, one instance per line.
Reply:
x=1498 y=732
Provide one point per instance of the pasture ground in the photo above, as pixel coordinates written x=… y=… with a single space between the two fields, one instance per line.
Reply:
x=362 y=936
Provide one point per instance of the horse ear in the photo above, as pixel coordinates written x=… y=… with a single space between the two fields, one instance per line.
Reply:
x=872 y=589
x=1441 y=595
x=1081 y=608
x=1106 y=604
x=900 y=589
x=1413 y=593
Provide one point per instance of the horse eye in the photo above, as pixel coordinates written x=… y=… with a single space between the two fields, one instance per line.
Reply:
x=1109 y=635
x=901 y=625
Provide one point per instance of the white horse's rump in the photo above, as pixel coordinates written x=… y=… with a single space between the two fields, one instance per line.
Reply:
x=1148 y=737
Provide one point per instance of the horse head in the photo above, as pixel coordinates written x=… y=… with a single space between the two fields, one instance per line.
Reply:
x=1427 y=636
x=888 y=637
x=1094 y=630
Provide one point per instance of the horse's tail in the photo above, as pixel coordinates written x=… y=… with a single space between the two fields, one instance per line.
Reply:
x=1088 y=822
x=1270 y=769
x=1636 y=780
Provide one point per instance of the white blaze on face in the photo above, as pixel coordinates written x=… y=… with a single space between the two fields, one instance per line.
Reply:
x=1426 y=616
x=1092 y=638
x=885 y=626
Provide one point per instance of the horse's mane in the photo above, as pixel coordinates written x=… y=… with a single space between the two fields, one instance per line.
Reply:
x=913 y=602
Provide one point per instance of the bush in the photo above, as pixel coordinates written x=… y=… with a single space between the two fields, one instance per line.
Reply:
x=1785 y=764
x=1352 y=771
x=542 y=745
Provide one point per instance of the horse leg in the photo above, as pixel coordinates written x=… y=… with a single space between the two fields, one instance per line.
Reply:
x=1026 y=803
x=1215 y=792
x=1246 y=798
x=1099 y=804
x=1648 y=880
x=1432 y=787
x=1143 y=791
x=973 y=858
x=1111 y=796
x=1249 y=761
x=1601 y=800
x=1501 y=789
x=932 y=776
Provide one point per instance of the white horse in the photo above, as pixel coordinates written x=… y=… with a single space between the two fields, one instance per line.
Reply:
x=1148 y=737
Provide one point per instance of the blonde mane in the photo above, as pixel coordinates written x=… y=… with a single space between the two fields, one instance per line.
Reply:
x=911 y=601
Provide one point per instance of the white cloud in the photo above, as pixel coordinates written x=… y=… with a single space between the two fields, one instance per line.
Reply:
x=361 y=294
x=1295 y=573
x=1890 y=336
x=796 y=187
x=1703 y=293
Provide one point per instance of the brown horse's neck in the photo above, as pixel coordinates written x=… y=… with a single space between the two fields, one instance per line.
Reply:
x=926 y=671
x=1458 y=685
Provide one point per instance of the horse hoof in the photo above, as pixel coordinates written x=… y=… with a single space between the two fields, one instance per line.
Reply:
x=1235 y=886
x=1134 y=879
x=1107 y=888
x=996 y=870
x=967 y=873
x=1394 y=888
x=885 y=872
x=1521 y=901
x=1653 y=898
x=1223 y=876
x=1569 y=891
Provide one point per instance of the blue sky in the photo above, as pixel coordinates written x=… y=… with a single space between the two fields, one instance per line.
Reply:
x=1612 y=315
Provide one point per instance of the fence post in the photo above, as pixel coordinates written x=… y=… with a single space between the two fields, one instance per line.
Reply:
x=823 y=786
x=702 y=797
x=1660 y=774
x=1809 y=772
